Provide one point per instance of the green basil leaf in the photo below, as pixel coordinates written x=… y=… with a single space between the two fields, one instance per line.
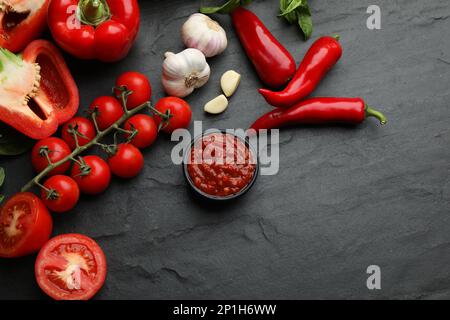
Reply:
x=15 y=149
x=2 y=176
x=293 y=5
x=305 y=21
x=290 y=17
x=227 y=8
x=284 y=4
x=13 y=143
x=297 y=11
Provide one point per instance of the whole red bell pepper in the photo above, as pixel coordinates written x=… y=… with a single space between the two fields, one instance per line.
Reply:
x=37 y=91
x=318 y=111
x=273 y=62
x=21 y=22
x=320 y=58
x=95 y=29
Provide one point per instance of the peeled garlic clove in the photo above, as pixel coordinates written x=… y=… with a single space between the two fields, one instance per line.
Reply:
x=217 y=105
x=230 y=82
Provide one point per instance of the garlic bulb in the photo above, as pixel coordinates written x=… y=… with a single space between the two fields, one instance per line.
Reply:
x=185 y=71
x=203 y=33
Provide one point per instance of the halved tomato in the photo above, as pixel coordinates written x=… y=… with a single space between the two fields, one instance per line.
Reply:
x=71 y=267
x=25 y=225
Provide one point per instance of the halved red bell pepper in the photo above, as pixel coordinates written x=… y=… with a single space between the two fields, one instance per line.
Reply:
x=95 y=29
x=37 y=91
x=21 y=21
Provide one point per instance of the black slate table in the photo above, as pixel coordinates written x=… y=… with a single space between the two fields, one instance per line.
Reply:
x=344 y=198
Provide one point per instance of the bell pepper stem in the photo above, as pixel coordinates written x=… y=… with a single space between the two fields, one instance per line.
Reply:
x=93 y=12
x=370 y=112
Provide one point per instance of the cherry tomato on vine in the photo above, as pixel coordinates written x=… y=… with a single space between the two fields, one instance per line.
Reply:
x=84 y=126
x=127 y=162
x=139 y=84
x=180 y=111
x=25 y=225
x=71 y=267
x=57 y=149
x=147 y=131
x=109 y=110
x=92 y=175
x=62 y=193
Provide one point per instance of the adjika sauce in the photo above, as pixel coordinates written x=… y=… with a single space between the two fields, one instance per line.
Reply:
x=221 y=164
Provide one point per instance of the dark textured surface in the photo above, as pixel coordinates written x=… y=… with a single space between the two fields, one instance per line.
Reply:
x=344 y=198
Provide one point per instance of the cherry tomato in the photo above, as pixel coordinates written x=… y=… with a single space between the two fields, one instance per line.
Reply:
x=84 y=127
x=25 y=225
x=57 y=150
x=127 y=162
x=180 y=111
x=147 y=130
x=109 y=110
x=139 y=84
x=62 y=194
x=71 y=267
x=92 y=176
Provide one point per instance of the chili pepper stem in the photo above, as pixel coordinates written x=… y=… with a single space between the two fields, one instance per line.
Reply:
x=336 y=36
x=93 y=12
x=370 y=112
x=36 y=180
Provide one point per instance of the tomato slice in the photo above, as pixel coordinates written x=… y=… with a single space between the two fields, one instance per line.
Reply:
x=25 y=225
x=71 y=267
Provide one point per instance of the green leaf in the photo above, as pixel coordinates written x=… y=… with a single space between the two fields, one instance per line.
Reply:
x=13 y=143
x=2 y=176
x=293 y=5
x=226 y=8
x=297 y=11
x=2 y=197
x=305 y=21
x=290 y=17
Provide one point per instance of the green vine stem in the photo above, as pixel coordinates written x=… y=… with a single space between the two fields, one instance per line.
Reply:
x=100 y=135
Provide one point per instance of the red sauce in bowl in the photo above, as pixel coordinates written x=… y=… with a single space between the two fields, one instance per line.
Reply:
x=221 y=164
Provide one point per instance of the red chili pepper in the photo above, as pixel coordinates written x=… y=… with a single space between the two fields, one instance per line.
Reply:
x=319 y=59
x=319 y=111
x=37 y=91
x=21 y=22
x=273 y=63
x=95 y=29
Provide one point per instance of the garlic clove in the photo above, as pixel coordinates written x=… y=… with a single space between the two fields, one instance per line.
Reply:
x=230 y=82
x=217 y=105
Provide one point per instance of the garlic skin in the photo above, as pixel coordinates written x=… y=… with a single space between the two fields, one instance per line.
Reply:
x=203 y=33
x=184 y=72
